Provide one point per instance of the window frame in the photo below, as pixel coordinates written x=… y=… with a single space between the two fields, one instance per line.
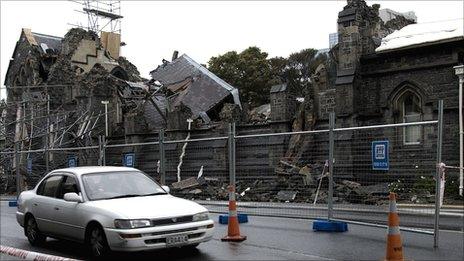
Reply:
x=400 y=106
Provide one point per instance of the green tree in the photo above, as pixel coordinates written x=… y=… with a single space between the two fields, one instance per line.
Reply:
x=300 y=66
x=253 y=73
x=249 y=71
x=279 y=66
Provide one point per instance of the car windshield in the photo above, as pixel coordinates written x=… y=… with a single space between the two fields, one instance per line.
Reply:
x=111 y=185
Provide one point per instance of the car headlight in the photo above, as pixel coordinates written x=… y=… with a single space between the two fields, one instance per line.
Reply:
x=200 y=216
x=131 y=223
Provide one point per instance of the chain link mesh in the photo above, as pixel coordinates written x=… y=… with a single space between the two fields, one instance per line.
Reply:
x=276 y=174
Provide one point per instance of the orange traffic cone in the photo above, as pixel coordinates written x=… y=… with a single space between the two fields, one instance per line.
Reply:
x=394 y=245
x=233 y=230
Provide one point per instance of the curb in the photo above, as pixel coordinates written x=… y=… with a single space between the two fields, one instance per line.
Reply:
x=29 y=255
x=460 y=207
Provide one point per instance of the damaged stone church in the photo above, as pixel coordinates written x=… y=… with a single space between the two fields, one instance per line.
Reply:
x=393 y=72
x=378 y=73
x=58 y=89
x=383 y=73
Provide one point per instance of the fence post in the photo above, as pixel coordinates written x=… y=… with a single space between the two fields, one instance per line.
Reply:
x=103 y=150
x=438 y=174
x=17 y=170
x=232 y=154
x=47 y=153
x=162 y=158
x=331 y=160
x=47 y=136
x=100 y=151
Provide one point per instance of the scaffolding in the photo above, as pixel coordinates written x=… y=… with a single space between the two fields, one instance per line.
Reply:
x=101 y=15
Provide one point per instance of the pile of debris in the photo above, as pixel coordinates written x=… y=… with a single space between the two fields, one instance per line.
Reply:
x=201 y=188
x=260 y=114
x=308 y=184
x=353 y=192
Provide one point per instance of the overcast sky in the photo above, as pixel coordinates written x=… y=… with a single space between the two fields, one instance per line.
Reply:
x=153 y=30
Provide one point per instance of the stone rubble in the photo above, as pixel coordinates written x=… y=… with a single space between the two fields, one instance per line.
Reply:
x=298 y=186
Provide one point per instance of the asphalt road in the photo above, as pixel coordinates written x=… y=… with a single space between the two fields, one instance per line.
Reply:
x=268 y=239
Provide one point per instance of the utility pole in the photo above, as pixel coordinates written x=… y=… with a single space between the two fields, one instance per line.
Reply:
x=460 y=73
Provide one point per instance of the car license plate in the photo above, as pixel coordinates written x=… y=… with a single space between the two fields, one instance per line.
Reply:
x=176 y=240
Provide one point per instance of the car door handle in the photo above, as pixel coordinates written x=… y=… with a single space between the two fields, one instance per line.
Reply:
x=56 y=208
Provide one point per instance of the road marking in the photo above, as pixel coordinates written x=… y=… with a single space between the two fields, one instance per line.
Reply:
x=29 y=255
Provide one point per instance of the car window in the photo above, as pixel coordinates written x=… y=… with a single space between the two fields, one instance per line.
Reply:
x=119 y=184
x=40 y=188
x=68 y=185
x=50 y=186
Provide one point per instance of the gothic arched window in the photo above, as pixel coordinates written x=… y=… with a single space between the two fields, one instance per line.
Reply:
x=410 y=110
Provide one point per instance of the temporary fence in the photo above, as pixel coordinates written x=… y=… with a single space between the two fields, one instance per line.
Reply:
x=34 y=164
x=334 y=173
x=361 y=182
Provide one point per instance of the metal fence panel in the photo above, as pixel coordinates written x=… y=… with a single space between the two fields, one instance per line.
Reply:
x=64 y=158
x=144 y=156
x=198 y=168
x=282 y=175
x=361 y=187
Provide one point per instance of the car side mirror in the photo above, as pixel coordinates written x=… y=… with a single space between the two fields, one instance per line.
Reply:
x=72 y=197
x=166 y=188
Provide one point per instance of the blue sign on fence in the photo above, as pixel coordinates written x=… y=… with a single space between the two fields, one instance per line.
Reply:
x=72 y=161
x=380 y=155
x=29 y=165
x=129 y=159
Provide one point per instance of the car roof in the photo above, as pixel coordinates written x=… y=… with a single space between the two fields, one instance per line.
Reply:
x=93 y=169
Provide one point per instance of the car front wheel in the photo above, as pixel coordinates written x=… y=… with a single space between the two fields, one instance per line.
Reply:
x=97 y=243
x=33 y=233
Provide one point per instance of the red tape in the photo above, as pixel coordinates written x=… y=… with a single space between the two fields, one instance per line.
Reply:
x=29 y=255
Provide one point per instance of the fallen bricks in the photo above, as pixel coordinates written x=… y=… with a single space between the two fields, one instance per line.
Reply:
x=282 y=189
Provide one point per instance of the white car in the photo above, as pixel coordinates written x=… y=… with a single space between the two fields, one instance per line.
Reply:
x=110 y=208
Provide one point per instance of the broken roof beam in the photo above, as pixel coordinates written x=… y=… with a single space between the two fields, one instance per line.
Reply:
x=101 y=13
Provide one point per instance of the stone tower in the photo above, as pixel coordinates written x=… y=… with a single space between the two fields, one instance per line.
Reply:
x=358 y=26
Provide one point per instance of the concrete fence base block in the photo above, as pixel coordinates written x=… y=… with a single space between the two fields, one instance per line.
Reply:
x=329 y=226
x=224 y=219
x=13 y=203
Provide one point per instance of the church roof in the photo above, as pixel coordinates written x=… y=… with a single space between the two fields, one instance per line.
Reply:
x=415 y=35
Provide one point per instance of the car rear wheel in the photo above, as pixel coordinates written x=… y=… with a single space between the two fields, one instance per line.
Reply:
x=33 y=233
x=97 y=243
